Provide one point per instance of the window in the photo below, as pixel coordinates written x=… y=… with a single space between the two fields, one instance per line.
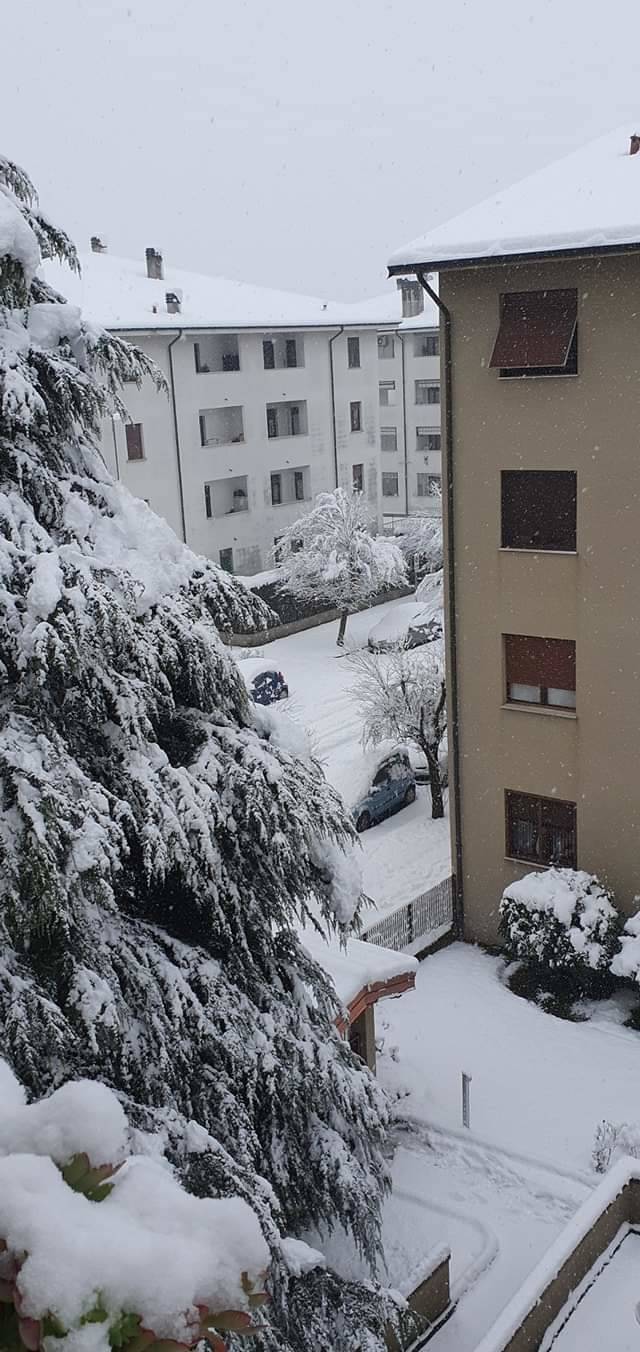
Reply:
x=386 y=345
x=135 y=448
x=357 y=478
x=281 y=352
x=388 y=439
x=540 y=830
x=298 y=485
x=427 y=440
x=428 y=485
x=427 y=345
x=226 y=560
x=208 y=506
x=276 y=489
x=540 y=670
x=539 y=509
x=356 y=415
x=386 y=393
x=427 y=392
x=538 y=334
x=353 y=353
x=389 y=485
x=286 y=420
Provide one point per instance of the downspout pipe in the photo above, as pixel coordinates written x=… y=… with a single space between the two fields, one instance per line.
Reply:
x=176 y=434
x=400 y=338
x=334 y=424
x=454 y=719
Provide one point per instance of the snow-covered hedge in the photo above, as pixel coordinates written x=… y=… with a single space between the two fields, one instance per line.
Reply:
x=562 y=920
x=626 y=962
x=100 y=1249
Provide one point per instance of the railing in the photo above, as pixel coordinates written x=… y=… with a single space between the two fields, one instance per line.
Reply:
x=432 y=910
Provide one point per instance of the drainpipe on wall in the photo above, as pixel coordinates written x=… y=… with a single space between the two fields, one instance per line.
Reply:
x=175 y=430
x=332 y=340
x=454 y=728
x=400 y=338
x=115 y=448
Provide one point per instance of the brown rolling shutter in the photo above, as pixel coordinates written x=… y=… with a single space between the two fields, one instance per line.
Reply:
x=536 y=329
x=540 y=661
x=539 y=509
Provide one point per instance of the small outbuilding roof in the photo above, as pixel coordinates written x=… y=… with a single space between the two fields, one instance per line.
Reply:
x=585 y=202
x=362 y=973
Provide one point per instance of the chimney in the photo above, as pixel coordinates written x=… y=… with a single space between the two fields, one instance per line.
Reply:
x=154 y=264
x=635 y=144
x=97 y=245
x=412 y=297
x=174 y=302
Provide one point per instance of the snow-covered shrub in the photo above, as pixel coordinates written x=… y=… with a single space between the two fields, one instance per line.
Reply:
x=626 y=962
x=420 y=539
x=102 y=1249
x=613 y=1141
x=560 y=920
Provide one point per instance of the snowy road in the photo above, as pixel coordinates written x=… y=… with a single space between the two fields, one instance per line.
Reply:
x=407 y=853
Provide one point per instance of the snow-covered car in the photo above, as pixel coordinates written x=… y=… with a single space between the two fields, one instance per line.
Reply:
x=411 y=624
x=421 y=769
x=265 y=683
x=378 y=784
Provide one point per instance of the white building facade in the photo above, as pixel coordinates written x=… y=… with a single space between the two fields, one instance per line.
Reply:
x=272 y=399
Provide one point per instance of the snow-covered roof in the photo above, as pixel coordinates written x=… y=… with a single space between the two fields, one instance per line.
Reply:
x=118 y=294
x=359 y=966
x=587 y=200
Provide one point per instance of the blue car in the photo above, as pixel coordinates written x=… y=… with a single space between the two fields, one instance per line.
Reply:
x=392 y=788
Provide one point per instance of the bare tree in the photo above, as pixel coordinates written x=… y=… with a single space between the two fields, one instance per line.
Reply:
x=330 y=552
x=402 y=694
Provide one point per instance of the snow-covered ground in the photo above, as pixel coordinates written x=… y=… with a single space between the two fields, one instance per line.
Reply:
x=540 y=1086
x=409 y=852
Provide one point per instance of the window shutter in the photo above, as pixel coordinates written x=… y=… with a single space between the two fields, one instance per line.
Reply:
x=540 y=661
x=539 y=509
x=536 y=329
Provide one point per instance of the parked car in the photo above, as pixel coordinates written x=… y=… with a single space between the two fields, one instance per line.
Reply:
x=391 y=787
x=265 y=683
x=421 y=769
x=411 y=624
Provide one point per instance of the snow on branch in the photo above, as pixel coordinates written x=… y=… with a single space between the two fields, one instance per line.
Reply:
x=101 y=1249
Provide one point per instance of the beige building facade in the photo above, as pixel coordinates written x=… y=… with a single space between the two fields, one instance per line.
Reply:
x=542 y=467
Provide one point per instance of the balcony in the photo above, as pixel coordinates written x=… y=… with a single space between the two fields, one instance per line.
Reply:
x=282 y=353
x=217 y=352
x=221 y=426
x=287 y=420
x=290 y=485
x=226 y=497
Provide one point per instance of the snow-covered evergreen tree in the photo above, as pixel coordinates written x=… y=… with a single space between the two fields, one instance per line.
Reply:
x=330 y=552
x=157 y=846
x=402 y=694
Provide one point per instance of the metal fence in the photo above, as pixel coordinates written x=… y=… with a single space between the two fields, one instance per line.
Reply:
x=430 y=911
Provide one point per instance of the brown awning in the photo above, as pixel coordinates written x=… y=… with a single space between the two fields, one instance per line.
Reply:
x=549 y=662
x=536 y=329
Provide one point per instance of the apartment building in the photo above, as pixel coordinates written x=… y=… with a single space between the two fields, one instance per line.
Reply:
x=273 y=398
x=540 y=298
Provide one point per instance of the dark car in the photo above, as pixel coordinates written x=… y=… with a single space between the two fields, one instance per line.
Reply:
x=264 y=682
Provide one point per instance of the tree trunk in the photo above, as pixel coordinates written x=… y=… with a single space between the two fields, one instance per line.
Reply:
x=342 y=629
x=437 y=800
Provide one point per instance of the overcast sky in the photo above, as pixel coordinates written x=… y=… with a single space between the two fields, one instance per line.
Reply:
x=296 y=143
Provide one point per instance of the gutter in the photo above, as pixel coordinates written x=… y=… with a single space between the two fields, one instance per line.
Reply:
x=176 y=433
x=404 y=426
x=497 y=260
x=454 y=720
x=332 y=382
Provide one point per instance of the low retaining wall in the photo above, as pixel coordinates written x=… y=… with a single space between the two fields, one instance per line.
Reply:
x=429 y=1300
x=523 y=1324
x=255 y=640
